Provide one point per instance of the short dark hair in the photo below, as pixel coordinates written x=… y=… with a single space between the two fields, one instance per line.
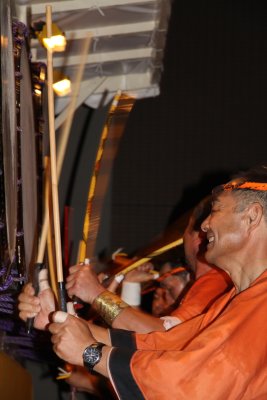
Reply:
x=257 y=173
x=246 y=196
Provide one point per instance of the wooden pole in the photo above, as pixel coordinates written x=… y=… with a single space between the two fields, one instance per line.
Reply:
x=50 y=241
x=155 y=253
x=54 y=180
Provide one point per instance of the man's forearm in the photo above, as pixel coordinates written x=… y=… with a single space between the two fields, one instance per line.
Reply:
x=120 y=315
x=137 y=321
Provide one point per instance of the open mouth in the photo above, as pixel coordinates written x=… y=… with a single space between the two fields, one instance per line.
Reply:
x=210 y=240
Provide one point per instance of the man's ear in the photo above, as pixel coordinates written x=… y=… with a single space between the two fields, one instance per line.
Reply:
x=255 y=214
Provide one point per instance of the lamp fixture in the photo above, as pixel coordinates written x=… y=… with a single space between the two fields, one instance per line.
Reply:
x=62 y=84
x=57 y=42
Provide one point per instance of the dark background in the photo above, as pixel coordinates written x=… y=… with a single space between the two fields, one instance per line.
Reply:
x=208 y=122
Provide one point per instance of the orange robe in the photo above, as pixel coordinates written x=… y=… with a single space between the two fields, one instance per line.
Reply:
x=205 y=290
x=220 y=355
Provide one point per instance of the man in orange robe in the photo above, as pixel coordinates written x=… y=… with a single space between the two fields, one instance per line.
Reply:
x=217 y=355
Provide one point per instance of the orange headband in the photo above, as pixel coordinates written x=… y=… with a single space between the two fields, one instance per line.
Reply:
x=164 y=276
x=170 y=273
x=246 y=185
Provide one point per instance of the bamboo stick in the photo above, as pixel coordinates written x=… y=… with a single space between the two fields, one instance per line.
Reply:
x=52 y=142
x=155 y=253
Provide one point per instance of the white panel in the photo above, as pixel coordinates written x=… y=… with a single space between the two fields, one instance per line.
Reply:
x=106 y=31
x=102 y=57
x=68 y=5
x=128 y=38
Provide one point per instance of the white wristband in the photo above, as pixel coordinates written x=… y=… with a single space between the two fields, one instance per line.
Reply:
x=119 y=278
x=170 y=322
x=131 y=293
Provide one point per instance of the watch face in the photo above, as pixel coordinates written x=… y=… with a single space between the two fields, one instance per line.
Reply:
x=91 y=355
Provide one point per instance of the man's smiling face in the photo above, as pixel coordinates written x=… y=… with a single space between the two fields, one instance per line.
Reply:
x=225 y=228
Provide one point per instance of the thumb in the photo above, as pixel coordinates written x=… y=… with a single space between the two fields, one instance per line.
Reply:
x=70 y=308
x=59 y=316
x=43 y=280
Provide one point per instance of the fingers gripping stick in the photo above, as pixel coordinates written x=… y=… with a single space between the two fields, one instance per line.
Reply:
x=60 y=316
x=39 y=283
x=78 y=303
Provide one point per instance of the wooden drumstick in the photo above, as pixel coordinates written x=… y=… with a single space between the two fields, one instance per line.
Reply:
x=54 y=180
x=147 y=258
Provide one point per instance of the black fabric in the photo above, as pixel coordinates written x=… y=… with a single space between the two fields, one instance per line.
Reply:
x=122 y=339
x=119 y=366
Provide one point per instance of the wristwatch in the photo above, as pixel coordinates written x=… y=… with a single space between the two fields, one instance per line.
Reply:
x=92 y=355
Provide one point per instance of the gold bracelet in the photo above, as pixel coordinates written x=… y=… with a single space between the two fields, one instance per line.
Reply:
x=108 y=305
